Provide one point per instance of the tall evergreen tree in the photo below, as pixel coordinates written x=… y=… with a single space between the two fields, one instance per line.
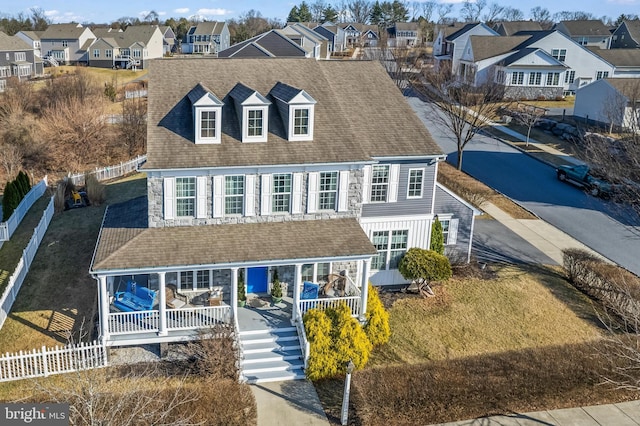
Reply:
x=376 y=17
x=329 y=14
x=304 y=13
x=294 y=15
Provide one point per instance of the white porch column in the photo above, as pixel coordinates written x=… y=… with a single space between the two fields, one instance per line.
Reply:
x=364 y=290
x=234 y=296
x=297 y=282
x=162 y=304
x=103 y=308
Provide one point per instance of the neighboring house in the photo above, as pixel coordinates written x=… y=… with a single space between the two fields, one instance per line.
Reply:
x=308 y=39
x=207 y=38
x=17 y=59
x=626 y=62
x=272 y=44
x=353 y=33
x=66 y=44
x=455 y=43
x=627 y=35
x=102 y=32
x=254 y=166
x=441 y=33
x=610 y=101
x=586 y=32
x=509 y=28
x=403 y=34
x=370 y=36
x=169 y=39
x=33 y=39
x=334 y=34
x=133 y=48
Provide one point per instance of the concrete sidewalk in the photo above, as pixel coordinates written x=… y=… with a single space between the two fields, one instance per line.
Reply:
x=289 y=403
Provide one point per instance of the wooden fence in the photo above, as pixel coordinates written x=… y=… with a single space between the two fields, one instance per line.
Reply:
x=45 y=362
x=9 y=227
x=15 y=280
x=110 y=172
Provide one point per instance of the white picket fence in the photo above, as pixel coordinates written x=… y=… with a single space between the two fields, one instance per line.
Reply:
x=110 y=172
x=45 y=362
x=15 y=280
x=9 y=227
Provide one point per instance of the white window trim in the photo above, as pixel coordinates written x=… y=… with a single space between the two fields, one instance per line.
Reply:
x=452 y=235
x=195 y=197
x=245 y=123
x=224 y=196
x=198 y=115
x=292 y=193
x=309 y=135
x=388 y=249
x=413 y=197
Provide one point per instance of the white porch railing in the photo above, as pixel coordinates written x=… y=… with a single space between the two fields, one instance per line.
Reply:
x=304 y=342
x=52 y=361
x=177 y=319
x=110 y=172
x=353 y=302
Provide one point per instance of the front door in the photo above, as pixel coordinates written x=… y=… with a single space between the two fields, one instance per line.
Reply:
x=257 y=279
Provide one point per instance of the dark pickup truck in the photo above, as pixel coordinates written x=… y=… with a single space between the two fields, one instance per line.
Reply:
x=580 y=176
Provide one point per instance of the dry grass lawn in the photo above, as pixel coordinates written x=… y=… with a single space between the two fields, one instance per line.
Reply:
x=100 y=75
x=59 y=296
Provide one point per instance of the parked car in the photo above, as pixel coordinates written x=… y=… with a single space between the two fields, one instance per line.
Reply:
x=581 y=177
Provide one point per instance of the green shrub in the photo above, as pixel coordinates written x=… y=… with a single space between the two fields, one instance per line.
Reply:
x=377 y=325
x=437 y=237
x=350 y=342
x=9 y=200
x=424 y=266
x=322 y=357
x=276 y=288
x=242 y=295
x=95 y=190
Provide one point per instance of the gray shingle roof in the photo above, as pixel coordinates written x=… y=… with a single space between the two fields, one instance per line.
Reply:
x=633 y=26
x=63 y=31
x=353 y=122
x=127 y=243
x=629 y=87
x=209 y=27
x=511 y=27
x=619 y=57
x=270 y=44
x=489 y=46
x=591 y=27
x=13 y=43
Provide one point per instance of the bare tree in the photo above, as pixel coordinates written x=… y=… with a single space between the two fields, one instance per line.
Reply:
x=542 y=16
x=133 y=128
x=528 y=116
x=444 y=9
x=471 y=10
x=512 y=14
x=427 y=9
x=317 y=10
x=359 y=10
x=460 y=108
x=494 y=11
x=573 y=16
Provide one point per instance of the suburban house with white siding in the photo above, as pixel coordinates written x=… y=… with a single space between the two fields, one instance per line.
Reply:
x=66 y=44
x=587 y=32
x=17 y=60
x=449 y=48
x=610 y=101
x=131 y=48
x=207 y=38
x=33 y=39
x=255 y=166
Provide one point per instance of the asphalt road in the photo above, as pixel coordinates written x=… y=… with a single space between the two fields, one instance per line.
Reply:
x=604 y=226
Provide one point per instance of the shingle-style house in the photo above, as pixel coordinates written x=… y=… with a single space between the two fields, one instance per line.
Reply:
x=33 y=39
x=207 y=38
x=66 y=44
x=261 y=165
x=272 y=44
x=132 y=48
x=403 y=34
x=509 y=28
x=627 y=35
x=308 y=39
x=610 y=101
x=591 y=32
x=441 y=33
x=454 y=44
x=169 y=39
x=17 y=59
x=334 y=34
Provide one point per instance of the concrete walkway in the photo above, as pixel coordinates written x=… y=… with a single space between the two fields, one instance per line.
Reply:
x=290 y=403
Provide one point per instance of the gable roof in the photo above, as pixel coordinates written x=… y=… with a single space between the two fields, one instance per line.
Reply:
x=127 y=243
x=103 y=32
x=619 y=57
x=33 y=35
x=136 y=33
x=304 y=31
x=349 y=123
x=63 y=31
x=13 y=43
x=633 y=27
x=509 y=28
x=486 y=46
x=591 y=27
x=406 y=26
x=208 y=27
x=273 y=43
x=629 y=87
x=467 y=28
x=526 y=52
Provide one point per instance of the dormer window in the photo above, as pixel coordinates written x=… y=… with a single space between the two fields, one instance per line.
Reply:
x=297 y=109
x=207 y=114
x=252 y=110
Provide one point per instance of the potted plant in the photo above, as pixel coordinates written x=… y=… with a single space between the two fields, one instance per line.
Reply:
x=242 y=295
x=276 y=288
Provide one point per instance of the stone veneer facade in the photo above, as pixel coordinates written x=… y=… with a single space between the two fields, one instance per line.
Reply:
x=155 y=192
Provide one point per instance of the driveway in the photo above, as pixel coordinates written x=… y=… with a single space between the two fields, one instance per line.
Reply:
x=605 y=227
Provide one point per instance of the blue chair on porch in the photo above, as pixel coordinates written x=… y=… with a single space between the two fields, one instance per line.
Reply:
x=309 y=290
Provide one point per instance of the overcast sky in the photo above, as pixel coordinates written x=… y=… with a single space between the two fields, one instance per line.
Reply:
x=101 y=11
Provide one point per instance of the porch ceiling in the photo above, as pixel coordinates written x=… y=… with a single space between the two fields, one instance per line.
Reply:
x=128 y=245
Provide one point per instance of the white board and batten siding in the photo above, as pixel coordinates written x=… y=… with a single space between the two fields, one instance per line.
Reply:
x=419 y=228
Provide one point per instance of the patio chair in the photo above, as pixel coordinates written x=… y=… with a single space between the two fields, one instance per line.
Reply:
x=174 y=300
x=309 y=290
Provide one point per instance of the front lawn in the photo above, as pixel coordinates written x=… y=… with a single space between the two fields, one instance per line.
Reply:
x=523 y=340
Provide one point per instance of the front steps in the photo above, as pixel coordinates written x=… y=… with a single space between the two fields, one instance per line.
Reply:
x=271 y=355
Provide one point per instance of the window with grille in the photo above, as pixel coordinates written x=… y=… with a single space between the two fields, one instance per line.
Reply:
x=281 y=195
x=185 y=196
x=379 y=184
x=301 y=121
x=517 y=78
x=391 y=246
x=233 y=195
x=414 y=187
x=553 y=78
x=328 y=191
x=569 y=76
x=535 y=78
x=254 y=122
x=202 y=279
x=559 y=54
x=207 y=124
x=602 y=74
